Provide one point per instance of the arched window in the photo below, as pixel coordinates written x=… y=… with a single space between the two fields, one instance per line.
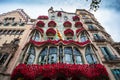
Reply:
x=77 y=56
x=52 y=55
x=83 y=37
x=36 y=37
x=43 y=56
x=68 y=54
x=90 y=56
x=31 y=55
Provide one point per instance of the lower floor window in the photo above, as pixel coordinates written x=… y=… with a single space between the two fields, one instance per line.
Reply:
x=116 y=73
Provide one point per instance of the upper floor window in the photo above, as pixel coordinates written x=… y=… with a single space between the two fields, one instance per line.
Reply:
x=3 y=58
x=107 y=53
x=65 y=18
x=52 y=17
x=90 y=55
x=116 y=73
x=31 y=55
x=83 y=37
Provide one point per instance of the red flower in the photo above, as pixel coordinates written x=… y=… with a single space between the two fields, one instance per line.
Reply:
x=59 y=14
x=30 y=72
x=43 y=17
x=67 y=24
x=52 y=24
x=76 y=18
x=56 y=42
x=40 y=24
x=69 y=31
x=78 y=24
x=50 y=31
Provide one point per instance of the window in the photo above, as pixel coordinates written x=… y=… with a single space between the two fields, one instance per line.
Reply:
x=107 y=53
x=3 y=58
x=65 y=18
x=36 y=37
x=90 y=56
x=52 y=17
x=69 y=38
x=60 y=54
x=83 y=37
x=90 y=27
x=77 y=56
x=96 y=36
x=116 y=73
x=68 y=54
x=50 y=37
x=43 y=56
x=31 y=55
x=52 y=55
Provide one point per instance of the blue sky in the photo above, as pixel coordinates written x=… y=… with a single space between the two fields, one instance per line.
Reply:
x=108 y=14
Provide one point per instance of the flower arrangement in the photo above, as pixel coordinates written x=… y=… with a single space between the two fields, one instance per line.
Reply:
x=76 y=18
x=51 y=24
x=31 y=72
x=78 y=24
x=67 y=24
x=43 y=17
x=50 y=31
x=69 y=31
x=40 y=24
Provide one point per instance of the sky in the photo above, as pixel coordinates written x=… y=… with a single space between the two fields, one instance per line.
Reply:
x=108 y=14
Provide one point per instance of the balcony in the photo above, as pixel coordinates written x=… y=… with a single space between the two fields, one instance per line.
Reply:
x=99 y=39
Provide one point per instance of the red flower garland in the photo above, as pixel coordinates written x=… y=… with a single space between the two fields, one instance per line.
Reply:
x=52 y=24
x=76 y=18
x=78 y=24
x=56 y=42
x=30 y=72
x=43 y=17
x=40 y=24
x=50 y=31
x=67 y=24
x=69 y=31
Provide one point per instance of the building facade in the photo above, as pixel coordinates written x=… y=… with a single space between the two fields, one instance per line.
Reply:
x=60 y=46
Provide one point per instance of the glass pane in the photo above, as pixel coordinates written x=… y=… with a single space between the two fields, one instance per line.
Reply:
x=78 y=60
x=76 y=51
x=52 y=58
x=68 y=58
x=53 y=50
x=83 y=37
x=3 y=59
x=31 y=50
x=31 y=59
x=68 y=50
x=44 y=51
x=42 y=59
x=37 y=37
x=89 y=59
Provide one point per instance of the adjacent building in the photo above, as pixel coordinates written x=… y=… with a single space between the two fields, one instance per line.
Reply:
x=60 y=46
